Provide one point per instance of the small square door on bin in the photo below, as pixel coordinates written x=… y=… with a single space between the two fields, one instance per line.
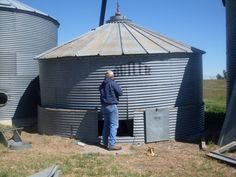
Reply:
x=156 y=124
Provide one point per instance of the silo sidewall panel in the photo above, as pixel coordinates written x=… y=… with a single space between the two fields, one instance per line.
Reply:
x=23 y=36
x=80 y=124
x=147 y=81
x=231 y=45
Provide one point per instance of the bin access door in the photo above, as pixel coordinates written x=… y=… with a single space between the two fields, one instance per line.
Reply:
x=156 y=125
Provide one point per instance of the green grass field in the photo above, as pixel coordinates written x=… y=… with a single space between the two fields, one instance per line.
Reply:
x=173 y=159
x=214 y=94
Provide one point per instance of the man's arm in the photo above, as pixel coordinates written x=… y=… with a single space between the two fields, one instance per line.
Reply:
x=117 y=89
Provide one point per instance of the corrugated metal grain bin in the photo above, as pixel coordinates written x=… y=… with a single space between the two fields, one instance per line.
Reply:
x=155 y=72
x=24 y=32
x=230 y=6
x=228 y=133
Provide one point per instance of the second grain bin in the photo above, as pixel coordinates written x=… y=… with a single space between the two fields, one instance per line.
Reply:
x=24 y=33
x=230 y=6
x=161 y=81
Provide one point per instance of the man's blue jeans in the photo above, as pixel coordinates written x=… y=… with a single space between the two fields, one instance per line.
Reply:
x=111 y=124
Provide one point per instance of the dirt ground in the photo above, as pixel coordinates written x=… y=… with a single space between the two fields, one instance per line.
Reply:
x=169 y=158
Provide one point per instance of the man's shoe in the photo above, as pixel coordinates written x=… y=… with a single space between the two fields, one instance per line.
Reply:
x=103 y=146
x=115 y=148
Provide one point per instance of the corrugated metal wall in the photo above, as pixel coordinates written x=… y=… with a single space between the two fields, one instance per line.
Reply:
x=185 y=123
x=71 y=123
x=23 y=35
x=161 y=81
x=231 y=45
x=228 y=132
x=167 y=82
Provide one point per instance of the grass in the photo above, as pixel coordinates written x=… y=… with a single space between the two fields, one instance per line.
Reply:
x=214 y=94
x=71 y=166
x=173 y=159
x=4 y=127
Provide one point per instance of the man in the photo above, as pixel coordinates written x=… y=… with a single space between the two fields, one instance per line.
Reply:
x=109 y=97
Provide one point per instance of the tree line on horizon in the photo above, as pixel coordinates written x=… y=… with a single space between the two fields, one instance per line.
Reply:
x=223 y=76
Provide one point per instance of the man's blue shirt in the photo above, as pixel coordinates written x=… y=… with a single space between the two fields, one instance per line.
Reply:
x=109 y=92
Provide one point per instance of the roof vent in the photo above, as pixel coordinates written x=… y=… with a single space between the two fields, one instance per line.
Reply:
x=117 y=9
x=118 y=17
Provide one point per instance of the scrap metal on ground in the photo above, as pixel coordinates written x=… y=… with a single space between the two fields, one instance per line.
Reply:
x=219 y=154
x=52 y=171
x=15 y=142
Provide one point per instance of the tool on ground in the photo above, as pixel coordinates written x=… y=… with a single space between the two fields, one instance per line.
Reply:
x=150 y=152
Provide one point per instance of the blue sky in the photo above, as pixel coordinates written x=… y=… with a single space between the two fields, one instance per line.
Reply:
x=199 y=23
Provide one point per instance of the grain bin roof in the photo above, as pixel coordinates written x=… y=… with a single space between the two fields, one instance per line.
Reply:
x=118 y=37
x=14 y=5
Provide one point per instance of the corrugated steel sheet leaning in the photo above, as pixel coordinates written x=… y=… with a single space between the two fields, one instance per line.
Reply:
x=228 y=131
x=154 y=72
x=24 y=32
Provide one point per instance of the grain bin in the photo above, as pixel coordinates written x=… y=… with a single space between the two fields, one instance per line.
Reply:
x=230 y=6
x=24 y=32
x=161 y=80
x=228 y=133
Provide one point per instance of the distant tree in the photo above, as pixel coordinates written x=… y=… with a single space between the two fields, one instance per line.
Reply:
x=219 y=77
x=225 y=74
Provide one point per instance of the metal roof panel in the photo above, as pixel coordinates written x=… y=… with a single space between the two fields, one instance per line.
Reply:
x=14 y=5
x=130 y=44
x=118 y=38
x=149 y=46
x=18 y=5
x=112 y=46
